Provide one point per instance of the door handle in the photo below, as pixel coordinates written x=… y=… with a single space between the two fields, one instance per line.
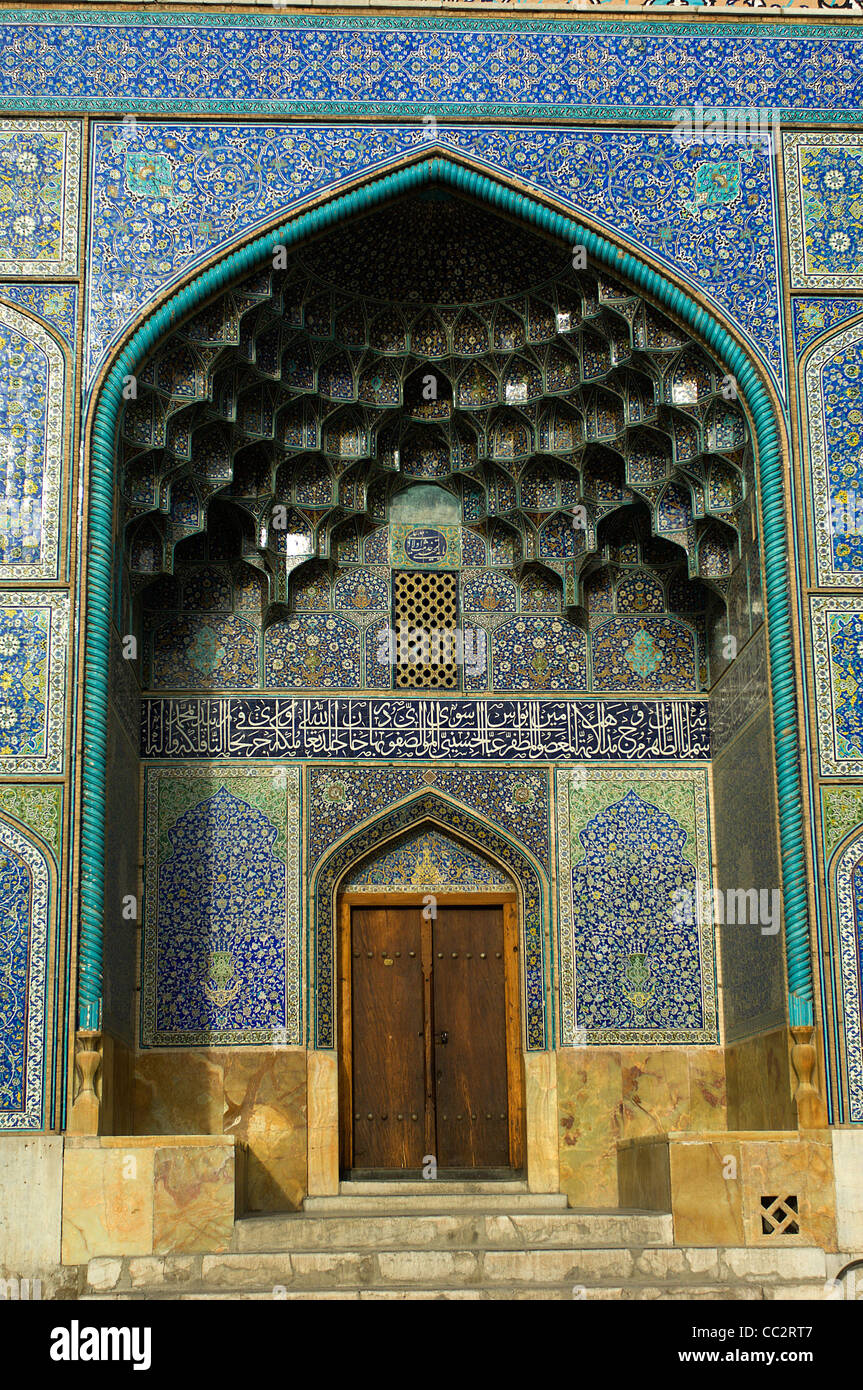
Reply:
x=442 y=1038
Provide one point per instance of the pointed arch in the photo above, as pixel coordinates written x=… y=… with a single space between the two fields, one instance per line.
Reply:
x=43 y=375
x=434 y=809
x=27 y=890
x=499 y=194
x=845 y=878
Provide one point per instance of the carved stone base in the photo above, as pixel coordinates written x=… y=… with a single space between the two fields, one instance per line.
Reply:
x=811 y=1110
x=85 y=1115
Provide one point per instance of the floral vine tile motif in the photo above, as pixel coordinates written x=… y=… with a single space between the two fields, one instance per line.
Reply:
x=632 y=968
x=221 y=962
x=24 y=929
x=514 y=799
x=834 y=415
x=538 y=653
x=815 y=315
x=214 y=653
x=338 y=64
x=429 y=860
x=823 y=174
x=40 y=809
x=842 y=812
x=641 y=654
x=40 y=177
x=847 y=881
x=34 y=634
x=58 y=304
x=311 y=651
x=198 y=188
x=32 y=400
x=837 y=645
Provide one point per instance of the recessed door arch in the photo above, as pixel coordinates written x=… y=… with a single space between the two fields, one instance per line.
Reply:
x=430 y=1066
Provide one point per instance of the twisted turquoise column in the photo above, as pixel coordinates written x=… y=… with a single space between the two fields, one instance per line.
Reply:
x=100 y=562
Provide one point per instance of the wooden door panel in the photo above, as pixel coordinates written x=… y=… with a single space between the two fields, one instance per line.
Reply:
x=470 y=1066
x=388 y=1038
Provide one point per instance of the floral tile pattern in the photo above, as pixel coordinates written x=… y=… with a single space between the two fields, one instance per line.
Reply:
x=630 y=973
x=40 y=176
x=428 y=860
x=221 y=960
x=24 y=928
x=58 y=304
x=825 y=211
x=218 y=182
x=642 y=654
x=538 y=653
x=32 y=403
x=834 y=411
x=837 y=640
x=334 y=64
x=848 y=889
x=814 y=315
x=33 y=641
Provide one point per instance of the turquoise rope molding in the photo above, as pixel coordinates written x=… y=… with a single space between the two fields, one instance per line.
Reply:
x=259 y=251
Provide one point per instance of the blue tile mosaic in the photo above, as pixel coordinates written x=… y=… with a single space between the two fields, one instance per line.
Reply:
x=32 y=406
x=24 y=909
x=833 y=409
x=33 y=638
x=428 y=860
x=815 y=315
x=225 y=180
x=221 y=911
x=387 y=66
x=57 y=304
x=631 y=972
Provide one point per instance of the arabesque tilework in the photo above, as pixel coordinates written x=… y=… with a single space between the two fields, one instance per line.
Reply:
x=40 y=179
x=25 y=906
x=314 y=64
x=34 y=634
x=822 y=173
x=629 y=842
x=213 y=184
x=837 y=639
x=32 y=419
x=221 y=954
x=834 y=414
x=429 y=860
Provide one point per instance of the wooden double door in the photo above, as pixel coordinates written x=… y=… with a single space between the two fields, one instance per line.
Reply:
x=431 y=1053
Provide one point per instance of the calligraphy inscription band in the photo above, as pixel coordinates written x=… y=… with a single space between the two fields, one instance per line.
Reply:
x=276 y=727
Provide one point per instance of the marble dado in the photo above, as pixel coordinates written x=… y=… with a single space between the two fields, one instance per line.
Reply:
x=717 y=1185
x=148 y=1194
x=608 y=1096
x=254 y=1096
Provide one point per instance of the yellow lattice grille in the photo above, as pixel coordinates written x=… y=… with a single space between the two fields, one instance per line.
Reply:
x=426 y=618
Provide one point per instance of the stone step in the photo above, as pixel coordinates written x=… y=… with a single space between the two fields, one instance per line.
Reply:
x=436 y=1202
x=579 y=1270
x=444 y=1229
x=508 y=1292
x=420 y=1187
